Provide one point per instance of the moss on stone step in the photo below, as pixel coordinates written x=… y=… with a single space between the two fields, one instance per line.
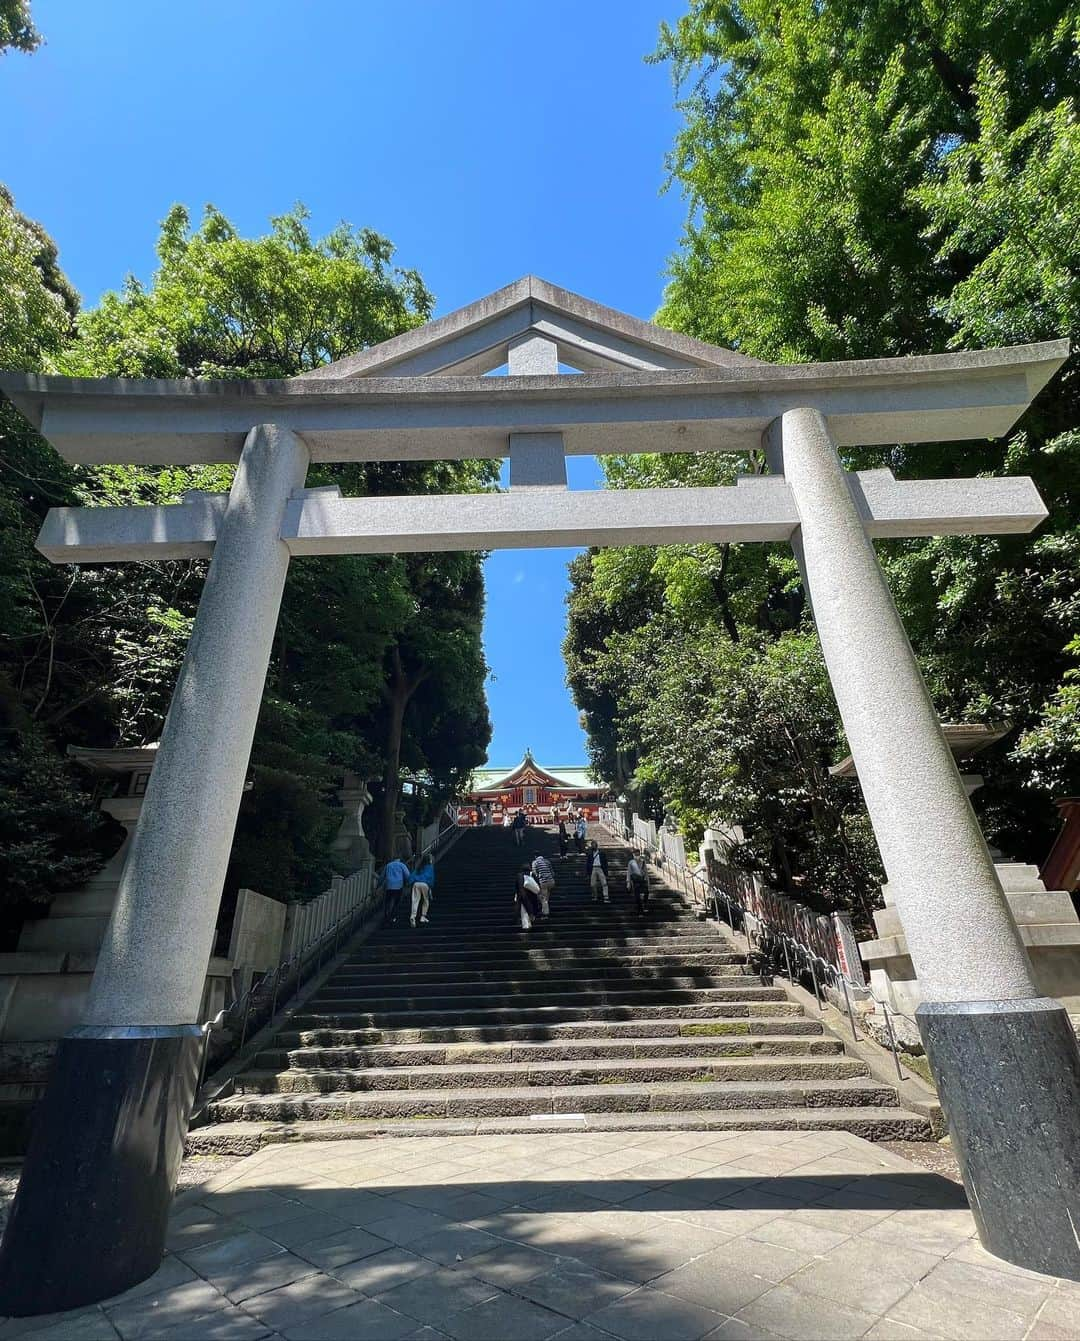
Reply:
x=718 y=1027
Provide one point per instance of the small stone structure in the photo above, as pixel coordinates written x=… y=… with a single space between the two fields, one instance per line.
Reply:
x=1046 y=920
x=351 y=844
x=257 y=931
x=44 y=983
x=1047 y=923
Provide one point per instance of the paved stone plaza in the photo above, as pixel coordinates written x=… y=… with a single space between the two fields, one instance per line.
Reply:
x=662 y=1236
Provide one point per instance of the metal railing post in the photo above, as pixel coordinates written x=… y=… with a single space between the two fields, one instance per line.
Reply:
x=247 y=1012
x=892 y=1042
x=847 y=1002
x=813 y=979
x=205 y=1054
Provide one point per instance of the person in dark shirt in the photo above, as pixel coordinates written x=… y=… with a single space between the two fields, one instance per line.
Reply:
x=637 y=882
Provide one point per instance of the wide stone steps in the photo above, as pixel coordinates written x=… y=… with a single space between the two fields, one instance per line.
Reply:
x=543 y=987
x=558 y=935
x=596 y=1019
x=512 y=1075
x=872 y=1124
x=598 y=996
x=428 y=1054
x=421 y=946
x=607 y=919
x=729 y=1005
x=482 y=1101
x=640 y=1025
x=598 y=968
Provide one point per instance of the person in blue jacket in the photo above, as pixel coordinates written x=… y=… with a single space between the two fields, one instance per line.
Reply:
x=395 y=877
x=423 y=890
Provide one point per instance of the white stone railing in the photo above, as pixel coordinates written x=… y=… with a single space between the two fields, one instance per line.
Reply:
x=614 y=819
x=663 y=843
x=645 y=832
x=306 y=923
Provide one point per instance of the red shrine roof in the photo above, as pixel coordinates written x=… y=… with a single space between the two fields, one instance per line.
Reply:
x=528 y=773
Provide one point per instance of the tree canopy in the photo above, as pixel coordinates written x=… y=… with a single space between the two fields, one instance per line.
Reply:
x=98 y=647
x=863 y=180
x=17 y=31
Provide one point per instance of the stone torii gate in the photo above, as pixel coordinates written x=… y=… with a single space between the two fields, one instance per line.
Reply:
x=90 y=1214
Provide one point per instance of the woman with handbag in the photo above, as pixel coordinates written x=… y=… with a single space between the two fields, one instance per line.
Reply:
x=527 y=897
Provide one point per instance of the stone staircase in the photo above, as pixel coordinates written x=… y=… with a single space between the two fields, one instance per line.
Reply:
x=596 y=1019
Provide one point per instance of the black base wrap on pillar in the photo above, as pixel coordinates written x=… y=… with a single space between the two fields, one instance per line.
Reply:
x=91 y=1212
x=1008 y=1075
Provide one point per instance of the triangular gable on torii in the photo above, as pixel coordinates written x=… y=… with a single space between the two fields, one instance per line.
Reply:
x=477 y=338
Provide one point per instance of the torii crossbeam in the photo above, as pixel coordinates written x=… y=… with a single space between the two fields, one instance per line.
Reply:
x=90 y=1215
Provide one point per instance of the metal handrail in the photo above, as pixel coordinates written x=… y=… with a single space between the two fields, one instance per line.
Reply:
x=773 y=940
x=453 y=832
x=767 y=942
x=706 y=894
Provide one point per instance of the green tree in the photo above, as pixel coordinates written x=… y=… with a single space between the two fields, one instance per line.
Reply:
x=226 y=306
x=17 y=31
x=50 y=649
x=222 y=305
x=357 y=635
x=711 y=728
x=863 y=179
x=431 y=716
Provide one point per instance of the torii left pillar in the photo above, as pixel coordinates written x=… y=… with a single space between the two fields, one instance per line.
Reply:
x=90 y=1216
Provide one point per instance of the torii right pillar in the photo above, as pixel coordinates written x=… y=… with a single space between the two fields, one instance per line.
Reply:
x=1004 y=1058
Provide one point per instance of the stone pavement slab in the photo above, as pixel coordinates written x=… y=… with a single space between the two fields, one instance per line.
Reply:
x=585 y=1237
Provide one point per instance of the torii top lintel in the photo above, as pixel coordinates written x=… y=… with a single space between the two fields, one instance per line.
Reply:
x=423 y=395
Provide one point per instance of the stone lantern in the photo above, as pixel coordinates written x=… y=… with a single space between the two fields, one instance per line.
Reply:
x=77 y=919
x=351 y=844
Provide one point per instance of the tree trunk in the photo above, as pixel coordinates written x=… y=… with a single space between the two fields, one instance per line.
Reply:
x=396 y=695
x=720 y=588
x=396 y=701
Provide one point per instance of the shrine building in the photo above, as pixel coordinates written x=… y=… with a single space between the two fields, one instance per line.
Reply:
x=540 y=792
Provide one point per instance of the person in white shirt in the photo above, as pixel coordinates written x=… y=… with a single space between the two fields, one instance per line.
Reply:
x=596 y=865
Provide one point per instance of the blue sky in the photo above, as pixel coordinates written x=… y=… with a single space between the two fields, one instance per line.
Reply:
x=486 y=138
